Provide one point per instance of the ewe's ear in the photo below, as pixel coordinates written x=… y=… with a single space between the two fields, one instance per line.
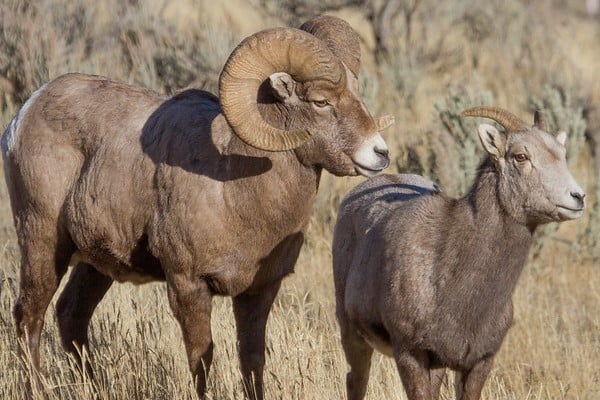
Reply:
x=562 y=137
x=283 y=86
x=492 y=140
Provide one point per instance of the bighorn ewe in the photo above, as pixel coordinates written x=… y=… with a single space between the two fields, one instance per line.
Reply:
x=212 y=198
x=428 y=279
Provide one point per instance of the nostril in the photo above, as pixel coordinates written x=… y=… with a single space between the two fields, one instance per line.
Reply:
x=578 y=196
x=382 y=152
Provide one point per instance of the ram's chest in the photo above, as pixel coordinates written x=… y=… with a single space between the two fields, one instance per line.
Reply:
x=229 y=254
x=233 y=237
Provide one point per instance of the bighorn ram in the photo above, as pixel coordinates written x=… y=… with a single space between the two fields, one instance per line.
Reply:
x=428 y=279
x=212 y=198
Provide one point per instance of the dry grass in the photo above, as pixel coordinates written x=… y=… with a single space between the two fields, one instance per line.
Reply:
x=552 y=352
x=507 y=50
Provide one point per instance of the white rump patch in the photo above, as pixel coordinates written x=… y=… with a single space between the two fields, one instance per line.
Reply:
x=9 y=138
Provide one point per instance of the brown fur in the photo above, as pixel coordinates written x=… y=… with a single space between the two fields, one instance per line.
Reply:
x=138 y=187
x=428 y=279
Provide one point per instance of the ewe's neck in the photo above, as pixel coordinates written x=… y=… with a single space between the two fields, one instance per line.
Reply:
x=483 y=203
x=493 y=244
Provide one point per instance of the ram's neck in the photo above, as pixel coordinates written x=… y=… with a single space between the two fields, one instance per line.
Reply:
x=276 y=190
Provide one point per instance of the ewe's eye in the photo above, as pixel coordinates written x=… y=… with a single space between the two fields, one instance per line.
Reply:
x=320 y=103
x=521 y=157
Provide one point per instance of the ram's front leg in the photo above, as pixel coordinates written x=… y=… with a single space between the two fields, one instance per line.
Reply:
x=251 y=311
x=191 y=302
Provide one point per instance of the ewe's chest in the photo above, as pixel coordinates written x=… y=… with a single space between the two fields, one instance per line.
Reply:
x=470 y=298
x=474 y=306
x=460 y=340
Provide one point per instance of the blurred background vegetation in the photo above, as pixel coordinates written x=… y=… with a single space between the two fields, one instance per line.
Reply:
x=423 y=61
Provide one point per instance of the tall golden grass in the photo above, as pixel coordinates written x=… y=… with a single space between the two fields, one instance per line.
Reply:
x=504 y=51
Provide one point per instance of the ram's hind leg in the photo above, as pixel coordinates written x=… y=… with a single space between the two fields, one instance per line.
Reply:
x=44 y=259
x=84 y=290
x=39 y=171
x=191 y=302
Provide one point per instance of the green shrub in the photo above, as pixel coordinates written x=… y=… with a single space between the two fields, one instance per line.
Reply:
x=454 y=142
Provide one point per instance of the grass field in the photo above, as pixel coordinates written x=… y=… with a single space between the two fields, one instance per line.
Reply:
x=514 y=54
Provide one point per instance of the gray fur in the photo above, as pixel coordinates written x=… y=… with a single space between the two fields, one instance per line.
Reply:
x=429 y=279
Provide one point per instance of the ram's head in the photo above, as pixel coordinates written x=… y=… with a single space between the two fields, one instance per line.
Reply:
x=283 y=89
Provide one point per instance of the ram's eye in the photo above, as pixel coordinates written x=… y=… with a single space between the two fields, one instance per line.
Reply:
x=320 y=103
x=520 y=157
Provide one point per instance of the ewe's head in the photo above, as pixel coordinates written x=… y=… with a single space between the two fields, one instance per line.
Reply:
x=535 y=183
x=311 y=102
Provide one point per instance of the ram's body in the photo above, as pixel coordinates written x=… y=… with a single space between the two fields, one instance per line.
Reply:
x=428 y=279
x=122 y=186
x=211 y=194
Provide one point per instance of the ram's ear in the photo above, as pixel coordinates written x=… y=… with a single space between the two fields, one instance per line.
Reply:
x=493 y=141
x=284 y=86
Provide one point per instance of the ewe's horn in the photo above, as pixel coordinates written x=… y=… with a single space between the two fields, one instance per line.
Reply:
x=289 y=50
x=539 y=121
x=339 y=37
x=509 y=121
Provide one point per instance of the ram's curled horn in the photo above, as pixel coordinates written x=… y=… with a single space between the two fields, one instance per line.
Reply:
x=339 y=36
x=385 y=122
x=539 y=121
x=289 y=50
x=508 y=120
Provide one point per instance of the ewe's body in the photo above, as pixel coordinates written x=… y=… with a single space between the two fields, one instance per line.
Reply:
x=138 y=187
x=428 y=279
